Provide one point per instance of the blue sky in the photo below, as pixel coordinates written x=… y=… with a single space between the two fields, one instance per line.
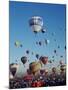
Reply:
x=54 y=21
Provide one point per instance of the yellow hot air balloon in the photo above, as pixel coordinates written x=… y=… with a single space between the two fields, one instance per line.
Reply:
x=35 y=67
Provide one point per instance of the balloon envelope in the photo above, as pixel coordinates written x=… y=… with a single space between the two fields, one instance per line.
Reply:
x=54 y=51
x=40 y=43
x=37 y=56
x=36 y=23
x=24 y=59
x=47 y=41
x=65 y=47
x=18 y=44
x=43 y=30
x=27 y=51
x=13 y=68
x=61 y=62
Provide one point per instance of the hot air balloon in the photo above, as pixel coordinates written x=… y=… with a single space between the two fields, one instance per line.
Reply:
x=36 y=23
x=61 y=62
x=54 y=51
x=40 y=43
x=43 y=59
x=35 y=67
x=37 y=56
x=43 y=30
x=18 y=44
x=27 y=51
x=65 y=47
x=13 y=68
x=24 y=59
x=47 y=41
x=54 y=69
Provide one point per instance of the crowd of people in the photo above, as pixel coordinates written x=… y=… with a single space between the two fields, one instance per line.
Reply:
x=42 y=79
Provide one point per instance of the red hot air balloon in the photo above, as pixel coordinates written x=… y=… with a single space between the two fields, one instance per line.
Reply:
x=44 y=59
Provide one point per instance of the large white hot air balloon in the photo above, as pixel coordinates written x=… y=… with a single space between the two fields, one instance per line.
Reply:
x=36 y=23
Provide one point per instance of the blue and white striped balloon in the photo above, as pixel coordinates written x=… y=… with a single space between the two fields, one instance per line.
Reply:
x=36 y=23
